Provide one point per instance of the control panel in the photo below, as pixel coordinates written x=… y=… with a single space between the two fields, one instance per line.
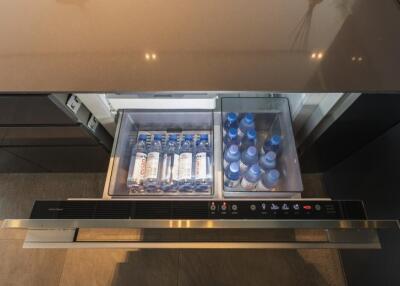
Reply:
x=276 y=209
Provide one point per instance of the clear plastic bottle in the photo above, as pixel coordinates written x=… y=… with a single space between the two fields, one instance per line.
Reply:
x=231 y=137
x=251 y=177
x=137 y=165
x=231 y=154
x=249 y=139
x=186 y=162
x=272 y=144
x=231 y=121
x=203 y=178
x=268 y=180
x=232 y=175
x=268 y=161
x=248 y=158
x=154 y=158
x=245 y=124
x=170 y=165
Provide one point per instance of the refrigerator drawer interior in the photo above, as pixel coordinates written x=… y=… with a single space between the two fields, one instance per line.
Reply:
x=137 y=173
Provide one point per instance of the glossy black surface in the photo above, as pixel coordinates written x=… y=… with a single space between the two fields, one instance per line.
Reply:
x=198 y=210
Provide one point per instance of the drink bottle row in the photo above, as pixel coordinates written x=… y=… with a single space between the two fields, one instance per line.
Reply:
x=170 y=163
x=245 y=167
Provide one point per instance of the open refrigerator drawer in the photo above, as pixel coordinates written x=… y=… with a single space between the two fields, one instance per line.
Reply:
x=163 y=169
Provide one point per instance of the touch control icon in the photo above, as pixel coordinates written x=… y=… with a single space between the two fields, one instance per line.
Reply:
x=296 y=207
x=285 y=207
x=274 y=207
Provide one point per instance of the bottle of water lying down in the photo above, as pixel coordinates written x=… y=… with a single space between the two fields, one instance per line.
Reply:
x=137 y=165
x=170 y=165
x=203 y=165
x=186 y=181
x=152 y=176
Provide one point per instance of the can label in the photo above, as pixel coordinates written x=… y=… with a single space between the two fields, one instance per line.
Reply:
x=201 y=166
x=185 y=166
x=153 y=160
x=139 y=169
x=247 y=185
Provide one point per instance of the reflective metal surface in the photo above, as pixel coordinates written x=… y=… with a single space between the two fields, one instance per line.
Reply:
x=304 y=45
x=223 y=224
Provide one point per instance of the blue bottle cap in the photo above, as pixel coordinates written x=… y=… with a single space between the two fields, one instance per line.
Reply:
x=270 y=156
x=173 y=137
x=251 y=151
x=158 y=137
x=233 y=149
x=231 y=117
x=142 y=137
x=249 y=118
x=234 y=167
x=276 y=139
x=273 y=175
x=232 y=133
x=251 y=134
x=203 y=137
x=188 y=137
x=255 y=169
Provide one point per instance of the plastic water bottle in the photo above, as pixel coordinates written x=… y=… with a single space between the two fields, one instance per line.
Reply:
x=248 y=158
x=231 y=154
x=185 y=173
x=203 y=164
x=268 y=161
x=245 y=124
x=251 y=177
x=152 y=176
x=232 y=175
x=137 y=165
x=272 y=144
x=268 y=180
x=170 y=165
x=231 y=137
x=249 y=139
x=231 y=121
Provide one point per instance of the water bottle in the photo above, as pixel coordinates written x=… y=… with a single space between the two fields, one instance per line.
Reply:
x=170 y=165
x=248 y=158
x=152 y=176
x=203 y=165
x=268 y=161
x=268 y=180
x=231 y=137
x=230 y=121
x=272 y=144
x=249 y=139
x=231 y=154
x=232 y=175
x=137 y=165
x=245 y=124
x=251 y=177
x=185 y=173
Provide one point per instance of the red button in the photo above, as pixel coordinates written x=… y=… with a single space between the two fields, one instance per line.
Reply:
x=307 y=207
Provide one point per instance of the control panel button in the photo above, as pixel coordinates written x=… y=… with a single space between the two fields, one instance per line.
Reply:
x=263 y=206
x=285 y=207
x=253 y=207
x=234 y=207
x=296 y=207
x=213 y=207
x=307 y=207
x=224 y=207
x=317 y=207
x=274 y=207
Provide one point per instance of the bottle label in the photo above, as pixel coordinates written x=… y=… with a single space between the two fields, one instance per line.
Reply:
x=243 y=167
x=201 y=166
x=139 y=168
x=230 y=183
x=153 y=160
x=175 y=168
x=185 y=166
x=247 y=185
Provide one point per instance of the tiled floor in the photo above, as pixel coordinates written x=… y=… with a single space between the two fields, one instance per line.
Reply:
x=144 y=267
